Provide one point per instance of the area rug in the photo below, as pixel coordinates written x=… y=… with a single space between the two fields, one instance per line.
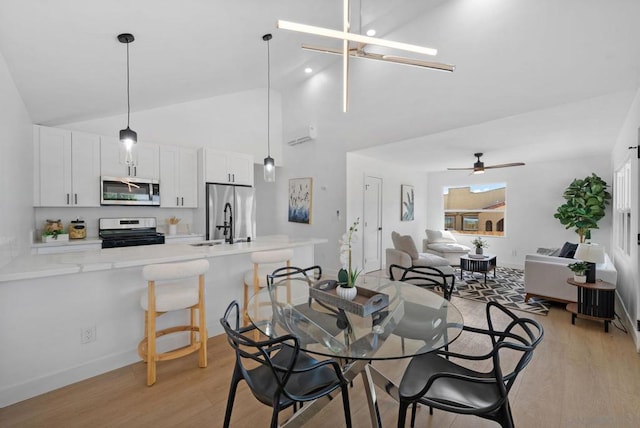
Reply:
x=506 y=288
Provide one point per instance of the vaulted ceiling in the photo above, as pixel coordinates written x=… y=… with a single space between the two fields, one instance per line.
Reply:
x=532 y=76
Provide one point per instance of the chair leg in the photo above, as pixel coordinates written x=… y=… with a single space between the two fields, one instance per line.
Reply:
x=402 y=413
x=504 y=416
x=274 y=415
x=151 y=348
x=245 y=316
x=345 y=404
x=413 y=413
x=192 y=323
x=232 y=396
x=202 y=326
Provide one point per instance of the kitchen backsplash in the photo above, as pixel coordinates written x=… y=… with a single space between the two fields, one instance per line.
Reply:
x=91 y=216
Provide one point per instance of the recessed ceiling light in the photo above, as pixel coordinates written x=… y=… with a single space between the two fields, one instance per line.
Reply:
x=308 y=70
x=371 y=32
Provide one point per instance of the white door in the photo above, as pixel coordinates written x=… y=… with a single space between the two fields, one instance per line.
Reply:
x=372 y=234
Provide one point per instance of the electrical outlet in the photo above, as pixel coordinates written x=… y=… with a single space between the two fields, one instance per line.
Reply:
x=88 y=334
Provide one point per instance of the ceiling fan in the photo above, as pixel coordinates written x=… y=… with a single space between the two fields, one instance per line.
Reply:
x=478 y=166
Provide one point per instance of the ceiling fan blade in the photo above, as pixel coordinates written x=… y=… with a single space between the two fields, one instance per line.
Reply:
x=360 y=53
x=460 y=169
x=505 y=165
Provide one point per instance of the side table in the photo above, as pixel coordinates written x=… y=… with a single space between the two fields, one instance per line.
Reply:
x=596 y=301
x=483 y=265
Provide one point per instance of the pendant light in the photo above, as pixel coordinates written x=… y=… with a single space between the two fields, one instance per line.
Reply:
x=269 y=162
x=128 y=136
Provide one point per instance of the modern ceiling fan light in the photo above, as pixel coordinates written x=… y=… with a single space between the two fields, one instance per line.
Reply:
x=269 y=162
x=479 y=167
x=346 y=36
x=128 y=136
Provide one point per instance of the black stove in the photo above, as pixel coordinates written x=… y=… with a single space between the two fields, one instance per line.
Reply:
x=129 y=232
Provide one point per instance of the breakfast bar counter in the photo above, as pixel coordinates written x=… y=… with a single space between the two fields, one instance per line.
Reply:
x=47 y=300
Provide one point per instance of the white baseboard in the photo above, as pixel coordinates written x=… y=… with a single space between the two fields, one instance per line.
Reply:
x=629 y=324
x=15 y=393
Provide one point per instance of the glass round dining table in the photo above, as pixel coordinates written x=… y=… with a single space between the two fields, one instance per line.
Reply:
x=415 y=321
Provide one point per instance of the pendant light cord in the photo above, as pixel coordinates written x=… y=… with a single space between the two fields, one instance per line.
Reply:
x=128 y=102
x=268 y=100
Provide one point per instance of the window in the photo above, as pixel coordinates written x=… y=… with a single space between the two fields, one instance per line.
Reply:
x=476 y=209
x=622 y=204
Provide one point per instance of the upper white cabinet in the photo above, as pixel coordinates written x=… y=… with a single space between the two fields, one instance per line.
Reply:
x=227 y=167
x=178 y=177
x=66 y=168
x=145 y=159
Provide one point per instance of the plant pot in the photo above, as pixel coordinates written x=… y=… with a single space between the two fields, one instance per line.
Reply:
x=479 y=250
x=346 y=293
x=579 y=278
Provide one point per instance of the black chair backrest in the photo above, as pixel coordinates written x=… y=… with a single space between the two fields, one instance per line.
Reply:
x=248 y=350
x=423 y=276
x=521 y=335
x=312 y=272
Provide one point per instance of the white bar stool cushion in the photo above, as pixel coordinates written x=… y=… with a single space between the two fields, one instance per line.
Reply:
x=172 y=297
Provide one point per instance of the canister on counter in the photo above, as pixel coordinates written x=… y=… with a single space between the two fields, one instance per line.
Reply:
x=77 y=229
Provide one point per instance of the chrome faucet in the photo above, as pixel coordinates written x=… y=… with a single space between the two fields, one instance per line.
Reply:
x=227 y=224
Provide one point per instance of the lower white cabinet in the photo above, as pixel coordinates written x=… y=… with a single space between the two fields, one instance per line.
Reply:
x=66 y=168
x=178 y=177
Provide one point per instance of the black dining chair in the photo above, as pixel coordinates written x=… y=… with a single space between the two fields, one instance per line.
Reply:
x=435 y=380
x=441 y=277
x=277 y=372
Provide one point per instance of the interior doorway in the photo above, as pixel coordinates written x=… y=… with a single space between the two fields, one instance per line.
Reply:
x=372 y=222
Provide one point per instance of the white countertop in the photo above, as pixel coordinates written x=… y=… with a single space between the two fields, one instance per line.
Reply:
x=45 y=265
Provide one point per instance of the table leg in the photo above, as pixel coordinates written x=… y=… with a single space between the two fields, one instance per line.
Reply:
x=372 y=400
x=606 y=326
x=309 y=410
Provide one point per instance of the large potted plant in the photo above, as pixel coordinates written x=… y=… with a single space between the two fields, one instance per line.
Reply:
x=585 y=205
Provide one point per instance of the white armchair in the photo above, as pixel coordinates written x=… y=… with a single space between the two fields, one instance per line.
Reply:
x=546 y=277
x=405 y=253
x=442 y=243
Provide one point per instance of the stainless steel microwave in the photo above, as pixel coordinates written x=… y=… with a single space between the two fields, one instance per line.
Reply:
x=129 y=191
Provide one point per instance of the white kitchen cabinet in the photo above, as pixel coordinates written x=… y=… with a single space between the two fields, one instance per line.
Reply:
x=66 y=168
x=145 y=159
x=178 y=177
x=227 y=167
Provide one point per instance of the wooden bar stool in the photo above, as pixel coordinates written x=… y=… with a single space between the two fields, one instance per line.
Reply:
x=177 y=290
x=264 y=263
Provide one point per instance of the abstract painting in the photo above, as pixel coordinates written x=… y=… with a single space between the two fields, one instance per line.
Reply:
x=406 y=208
x=300 y=200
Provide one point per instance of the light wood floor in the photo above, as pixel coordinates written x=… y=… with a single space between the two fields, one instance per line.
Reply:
x=579 y=377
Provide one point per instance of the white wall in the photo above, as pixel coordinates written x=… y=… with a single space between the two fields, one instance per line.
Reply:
x=628 y=265
x=16 y=166
x=235 y=122
x=358 y=167
x=534 y=192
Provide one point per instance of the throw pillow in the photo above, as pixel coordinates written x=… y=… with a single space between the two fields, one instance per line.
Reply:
x=440 y=236
x=394 y=239
x=548 y=251
x=405 y=243
x=568 y=250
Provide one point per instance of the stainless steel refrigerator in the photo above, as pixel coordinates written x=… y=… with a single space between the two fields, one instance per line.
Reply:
x=241 y=209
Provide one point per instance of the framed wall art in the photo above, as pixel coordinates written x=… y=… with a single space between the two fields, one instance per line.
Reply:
x=300 y=200
x=406 y=202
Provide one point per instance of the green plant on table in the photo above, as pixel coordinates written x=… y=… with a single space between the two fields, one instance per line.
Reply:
x=479 y=243
x=579 y=268
x=347 y=276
